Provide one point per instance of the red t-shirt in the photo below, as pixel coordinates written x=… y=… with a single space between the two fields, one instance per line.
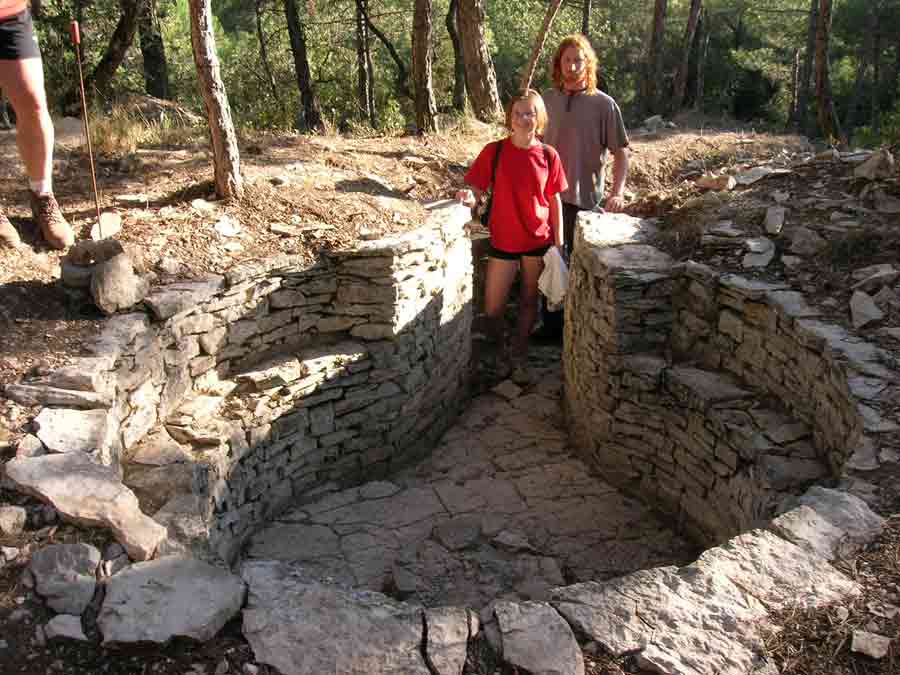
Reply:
x=524 y=185
x=9 y=8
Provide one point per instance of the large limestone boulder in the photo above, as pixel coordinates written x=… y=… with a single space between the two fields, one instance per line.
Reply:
x=676 y=621
x=304 y=627
x=87 y=493
x=171 y=597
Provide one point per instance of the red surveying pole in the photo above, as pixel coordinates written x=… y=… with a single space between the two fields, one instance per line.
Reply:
x=76 y=41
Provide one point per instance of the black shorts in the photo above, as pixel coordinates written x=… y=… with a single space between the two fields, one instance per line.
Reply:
x=539 y=252
x=17 y=38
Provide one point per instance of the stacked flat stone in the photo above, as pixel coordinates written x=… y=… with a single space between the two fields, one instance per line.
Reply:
x=368 y=351
x=713 y=395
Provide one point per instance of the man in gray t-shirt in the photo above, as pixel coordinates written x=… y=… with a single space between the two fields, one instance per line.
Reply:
x=584 y=123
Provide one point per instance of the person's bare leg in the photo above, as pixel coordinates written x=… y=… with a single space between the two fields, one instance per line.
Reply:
x=532 y=266
x=23 y=82
x=498 y=281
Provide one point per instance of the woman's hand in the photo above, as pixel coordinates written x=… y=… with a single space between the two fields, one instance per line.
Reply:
x=466 y=197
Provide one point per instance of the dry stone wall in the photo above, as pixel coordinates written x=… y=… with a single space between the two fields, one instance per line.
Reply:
x=284 y=377
x=712 y=395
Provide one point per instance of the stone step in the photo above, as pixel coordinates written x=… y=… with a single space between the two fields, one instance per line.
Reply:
x=703 y=445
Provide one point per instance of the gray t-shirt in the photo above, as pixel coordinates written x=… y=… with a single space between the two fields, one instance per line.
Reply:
x=582 y=127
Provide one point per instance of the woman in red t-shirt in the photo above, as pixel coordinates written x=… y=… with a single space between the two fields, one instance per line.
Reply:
x=526 y=213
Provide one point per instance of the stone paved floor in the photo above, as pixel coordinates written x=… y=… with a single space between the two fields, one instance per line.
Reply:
x=501 y=509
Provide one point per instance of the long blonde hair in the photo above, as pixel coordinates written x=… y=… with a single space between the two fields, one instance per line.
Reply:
x=579 y=42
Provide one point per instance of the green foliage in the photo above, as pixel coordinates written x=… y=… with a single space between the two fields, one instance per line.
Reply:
x=748 y=71
x=888 y=135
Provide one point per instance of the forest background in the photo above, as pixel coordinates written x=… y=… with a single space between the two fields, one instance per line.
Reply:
x=755 y=62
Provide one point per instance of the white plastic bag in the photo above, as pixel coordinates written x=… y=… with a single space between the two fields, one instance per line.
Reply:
x=554 y=279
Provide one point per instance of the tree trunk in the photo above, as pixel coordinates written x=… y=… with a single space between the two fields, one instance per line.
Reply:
x=101 y=78
x=364 y=79
x=802 y=120
x=828 y=121
x=851 y=121
x=426 y=108
x=894 y=74
x=653 y=68
x=586 y=19
x=156 y=68
x=370 y=73
x=702 y=53
x=481 y=81
x=459 y=68
x=682 y=75
x=876 y=76
x=309 y=118
x=795 y=84
x=552 y=9
x=264 y=53
x=402 y=76
x=226 y=160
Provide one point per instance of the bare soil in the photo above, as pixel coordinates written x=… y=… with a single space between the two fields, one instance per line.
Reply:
x=334 y=191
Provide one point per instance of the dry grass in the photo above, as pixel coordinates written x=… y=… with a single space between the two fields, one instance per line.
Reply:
x=122 y=132
x=819 y=640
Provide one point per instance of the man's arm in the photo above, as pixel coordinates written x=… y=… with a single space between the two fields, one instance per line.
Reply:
x=556 y=224
x=616 y=200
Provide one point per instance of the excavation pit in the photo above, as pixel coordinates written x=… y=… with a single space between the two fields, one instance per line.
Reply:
x=500 y=509
x=310 y=424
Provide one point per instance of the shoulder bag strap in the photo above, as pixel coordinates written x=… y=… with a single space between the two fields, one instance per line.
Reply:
x=496 y=162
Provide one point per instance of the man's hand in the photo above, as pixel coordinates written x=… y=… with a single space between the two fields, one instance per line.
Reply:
x=615 y=203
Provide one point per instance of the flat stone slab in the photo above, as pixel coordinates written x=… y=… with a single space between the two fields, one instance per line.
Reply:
x=87 y=493
x=705 y=386
x=776 y=572
x=449 y=630
x=614 y=229
x=831 y=523
x=180 y=297
x=65 y=626
x=65 y=430
x=41 y=394
x=65 y=575
x=305 y=627
x=171 y=597
x=537 y=639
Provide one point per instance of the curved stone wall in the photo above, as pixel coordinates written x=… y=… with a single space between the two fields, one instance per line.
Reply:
x=284 y=377
x=712 y=395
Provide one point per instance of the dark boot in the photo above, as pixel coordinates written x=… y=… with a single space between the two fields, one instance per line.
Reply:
x=551 y=330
